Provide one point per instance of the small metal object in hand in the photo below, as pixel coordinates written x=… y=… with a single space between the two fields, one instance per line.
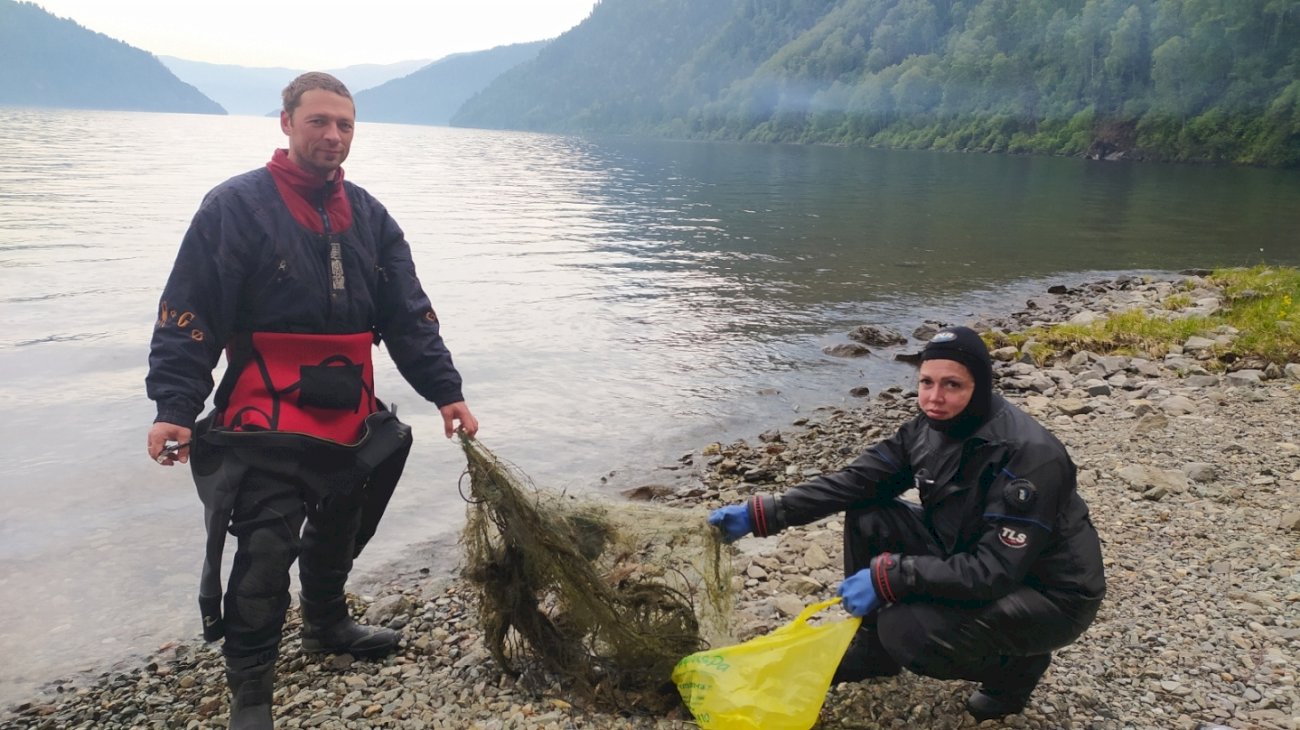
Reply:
x=170 y=451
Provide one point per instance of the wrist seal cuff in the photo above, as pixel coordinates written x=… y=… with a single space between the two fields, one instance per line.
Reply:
x=765 y=515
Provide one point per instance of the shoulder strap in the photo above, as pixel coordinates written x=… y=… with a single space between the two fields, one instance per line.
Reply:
x=238 y=352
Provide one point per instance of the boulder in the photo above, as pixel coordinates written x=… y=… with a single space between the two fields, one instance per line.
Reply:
x=648 y=492
x=869 y=334
x=847 y=349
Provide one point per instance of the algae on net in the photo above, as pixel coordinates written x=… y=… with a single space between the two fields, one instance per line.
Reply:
x=602 y=597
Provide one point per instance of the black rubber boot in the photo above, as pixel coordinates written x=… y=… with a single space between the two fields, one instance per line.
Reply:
x=251 y=690
x=327 y=627
x=866 y=658
x=1010 y=694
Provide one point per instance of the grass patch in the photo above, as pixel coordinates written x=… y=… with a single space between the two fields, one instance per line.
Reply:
x=1262 y=305
x=1259 y=306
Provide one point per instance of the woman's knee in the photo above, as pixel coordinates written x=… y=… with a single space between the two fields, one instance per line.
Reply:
x=923 y=641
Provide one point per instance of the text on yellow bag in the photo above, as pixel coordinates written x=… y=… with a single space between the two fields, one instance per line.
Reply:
x=777 y=681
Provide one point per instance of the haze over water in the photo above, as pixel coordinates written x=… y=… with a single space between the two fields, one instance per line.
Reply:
x=611 y=304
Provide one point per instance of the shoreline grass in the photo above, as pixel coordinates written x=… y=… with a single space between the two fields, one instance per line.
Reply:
x=1259 y=315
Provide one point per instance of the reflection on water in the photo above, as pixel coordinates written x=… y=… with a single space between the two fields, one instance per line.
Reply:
x=610 y=302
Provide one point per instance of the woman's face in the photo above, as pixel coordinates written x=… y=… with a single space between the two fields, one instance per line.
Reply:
x=944 y=387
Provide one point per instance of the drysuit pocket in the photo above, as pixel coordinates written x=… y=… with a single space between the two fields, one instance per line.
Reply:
x=335 y=384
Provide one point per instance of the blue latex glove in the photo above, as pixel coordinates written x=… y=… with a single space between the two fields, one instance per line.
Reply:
x=733 y=521
x=859 y=593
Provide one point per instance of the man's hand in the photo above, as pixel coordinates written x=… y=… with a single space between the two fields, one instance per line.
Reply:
x=458 y=412
x=859 y=593
x=160 y=434
x=734 y=522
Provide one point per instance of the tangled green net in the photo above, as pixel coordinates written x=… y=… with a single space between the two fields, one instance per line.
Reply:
x=599 y=597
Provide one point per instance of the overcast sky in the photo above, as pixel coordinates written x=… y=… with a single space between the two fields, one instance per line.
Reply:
x=321 y=34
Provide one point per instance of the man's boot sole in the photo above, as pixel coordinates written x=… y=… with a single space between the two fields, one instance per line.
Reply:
x=316 y=646
x=313 y=646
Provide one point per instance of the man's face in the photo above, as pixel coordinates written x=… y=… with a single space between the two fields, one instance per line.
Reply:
x=944 y=387
x=320 y=131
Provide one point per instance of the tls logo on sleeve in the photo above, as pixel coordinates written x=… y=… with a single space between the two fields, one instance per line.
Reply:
x=1013 y=538
x=1019 y=495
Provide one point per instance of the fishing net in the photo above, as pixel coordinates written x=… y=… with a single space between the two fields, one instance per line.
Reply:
x=600 y=597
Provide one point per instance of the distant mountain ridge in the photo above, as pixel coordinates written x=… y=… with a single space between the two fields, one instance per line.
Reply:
x=54 y=62
x=256 y=90
x=432 y=94
x=1196 y=80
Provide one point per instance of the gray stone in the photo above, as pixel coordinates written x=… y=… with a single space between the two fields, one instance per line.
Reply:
x=847 y=349
x=802 y=585
x=1042 y=385
x=1111 y=364
x=1150 y=423
x=1245 y=378
x=648 y=492
x=815 y=557
x=1178 y=405
x=1148 y=369
x=1200 y=471
x=1096 y=387
x=1073 y=406
x=869 y=334
x=1290 y=521
x=1005 y=354
x=789 y=605
x=927 y=330
x=1155 y=494
x=1144 y=478
x=1037 y=403
x=1088 y=374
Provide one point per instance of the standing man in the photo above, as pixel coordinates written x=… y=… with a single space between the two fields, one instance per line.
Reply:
x=998 y=567
x=295 y=275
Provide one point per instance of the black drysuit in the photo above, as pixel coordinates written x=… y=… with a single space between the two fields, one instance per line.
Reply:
x=247 y=266
x=1000 y=560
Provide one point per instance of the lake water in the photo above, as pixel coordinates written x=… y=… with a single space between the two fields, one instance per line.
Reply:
x=611 y=304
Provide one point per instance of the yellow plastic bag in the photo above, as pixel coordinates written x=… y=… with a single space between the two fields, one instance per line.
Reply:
x=773 y=682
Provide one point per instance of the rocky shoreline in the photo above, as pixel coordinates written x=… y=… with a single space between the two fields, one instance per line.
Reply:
x=1192 y=475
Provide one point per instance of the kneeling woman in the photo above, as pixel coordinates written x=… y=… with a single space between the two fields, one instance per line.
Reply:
x=998 y=566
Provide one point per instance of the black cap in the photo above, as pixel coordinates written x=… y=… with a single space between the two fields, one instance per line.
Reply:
x=964 y=345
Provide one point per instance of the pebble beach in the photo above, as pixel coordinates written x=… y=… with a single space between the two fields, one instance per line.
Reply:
x=1192 y=474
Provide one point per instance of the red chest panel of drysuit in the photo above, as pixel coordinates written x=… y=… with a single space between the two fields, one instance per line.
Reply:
x=320 y=385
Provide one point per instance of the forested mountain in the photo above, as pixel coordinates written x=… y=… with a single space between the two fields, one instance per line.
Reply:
x=614 y=71
x=255 y=90
x=50 y=61
x=433 y=93
x=1160 y=79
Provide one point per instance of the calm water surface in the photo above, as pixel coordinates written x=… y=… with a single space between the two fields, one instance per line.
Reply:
x=611 y=304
